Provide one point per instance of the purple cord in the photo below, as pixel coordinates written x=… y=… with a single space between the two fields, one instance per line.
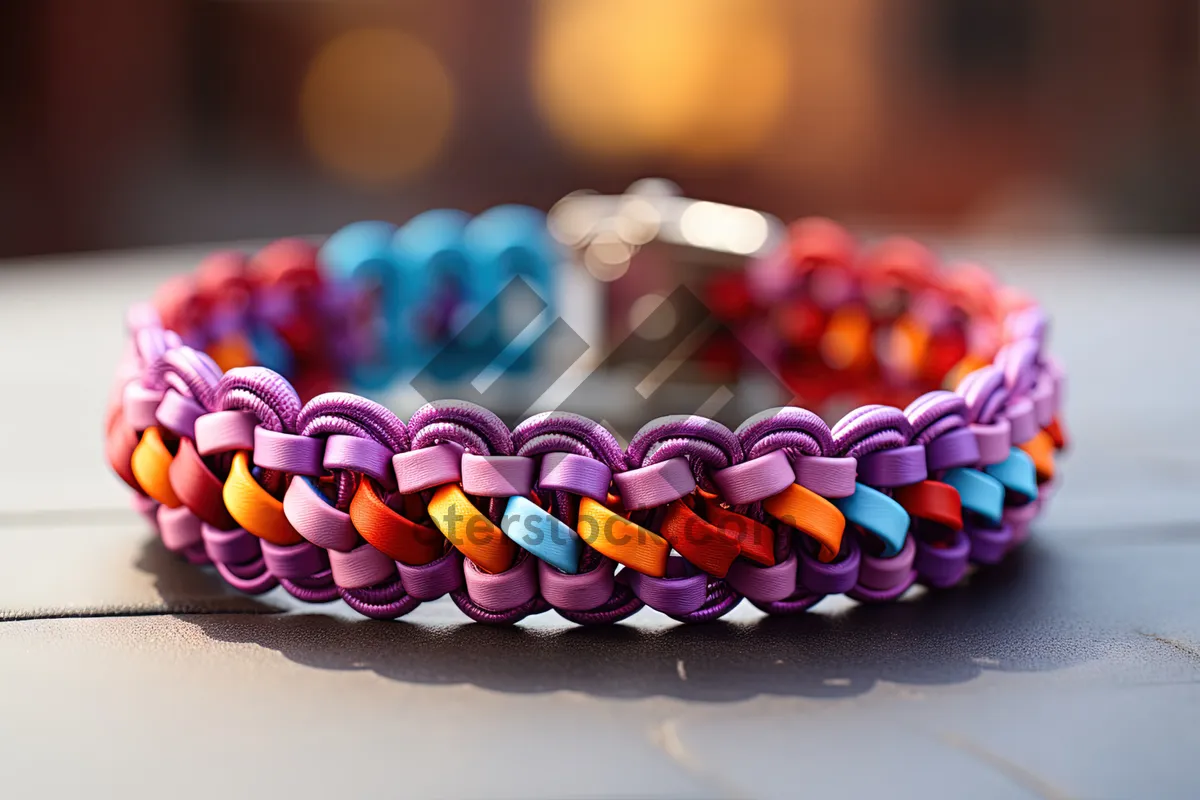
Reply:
x=190 y=372
x=316 y=588
x=935 y=413
x=870 y=429
x=386 y=601
x=705 y=443
x=478 y=430
x=796 y=431
x=265 y=393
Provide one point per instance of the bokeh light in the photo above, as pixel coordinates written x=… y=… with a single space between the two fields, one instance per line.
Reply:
x=704 y=79
x=376 y=105
x=717 y=226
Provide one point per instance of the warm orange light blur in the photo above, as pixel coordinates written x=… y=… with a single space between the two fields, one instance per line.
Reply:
x=698 y=78
x=376 y=105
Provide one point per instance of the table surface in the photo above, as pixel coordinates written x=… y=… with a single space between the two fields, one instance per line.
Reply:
x=1072 y=670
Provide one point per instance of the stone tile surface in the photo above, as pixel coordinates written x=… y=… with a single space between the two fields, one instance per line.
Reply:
x=1071 y=671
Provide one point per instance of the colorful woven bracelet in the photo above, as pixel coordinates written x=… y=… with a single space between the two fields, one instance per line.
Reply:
x=338 y=497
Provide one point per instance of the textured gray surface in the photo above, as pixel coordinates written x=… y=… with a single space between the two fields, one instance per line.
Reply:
x=1072 y=671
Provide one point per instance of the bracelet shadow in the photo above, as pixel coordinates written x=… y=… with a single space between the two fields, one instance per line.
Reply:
x=1004 y=618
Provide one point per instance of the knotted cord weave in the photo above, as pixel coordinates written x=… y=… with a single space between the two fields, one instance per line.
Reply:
x=338 y=497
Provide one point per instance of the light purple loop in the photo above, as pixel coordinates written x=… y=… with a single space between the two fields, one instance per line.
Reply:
x=435 y=579
x=294 y=561
x=195 y=554
x=1020 y=532
x=678 y=593
x=265 y=393
x=1043 y=400
x=583 y=591
x=1022 y=419
x=957 y=448
x=147 y=508
x=287 y=452
x=985 y=394
x=764 y=584
x=994 y=441
x=865 y=594
x=497 y=476
x=341 y=413
x=502 y=591
x=935 y=414
x=797 y=431
x=365 y=456
x=835 y=577
x=828 y=477
x=869 y=429
x=436 y=465
x=1024 y=513
x=655 y=485
x=476 y=429
x=1019 y=361
x=139 y=405
x=886 y=469
x=231 y=547
x=705 y=443
x=883 y=574
x=564 y=432
x=989 y=545
x=1021 y=518
x=179 y=528
x=577 y=474
x=178 y=414
x=754 y=480
x=315 y=518
x=941 y=567
x=224 y=432
x=361 y=567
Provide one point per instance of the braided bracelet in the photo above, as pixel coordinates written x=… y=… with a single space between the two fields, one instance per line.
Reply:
x=339 y=497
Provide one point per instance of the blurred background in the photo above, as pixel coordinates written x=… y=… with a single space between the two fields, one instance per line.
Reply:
x=150 y=122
